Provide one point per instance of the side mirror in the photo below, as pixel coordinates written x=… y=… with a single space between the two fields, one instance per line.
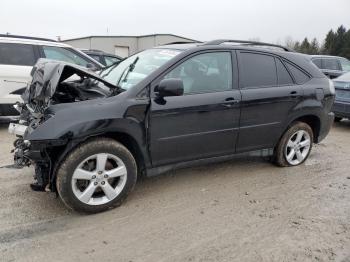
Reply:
x=170 y=87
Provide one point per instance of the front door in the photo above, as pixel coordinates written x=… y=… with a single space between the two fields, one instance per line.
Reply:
x=204 y=121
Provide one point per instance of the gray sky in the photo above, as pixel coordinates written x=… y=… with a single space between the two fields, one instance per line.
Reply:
x=268 y=20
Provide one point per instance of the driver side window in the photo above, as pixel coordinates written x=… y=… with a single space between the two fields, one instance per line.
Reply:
x=205 y=73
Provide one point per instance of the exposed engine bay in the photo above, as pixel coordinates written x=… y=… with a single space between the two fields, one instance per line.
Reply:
x=56 y=82
x=53 y=82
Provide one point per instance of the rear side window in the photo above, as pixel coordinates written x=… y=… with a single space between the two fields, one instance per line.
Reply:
x=284 y=77
x=299 y=76
x=331 y=64
x=17 y=54
x=317 y=62
x=65 y=55
x=257 y=70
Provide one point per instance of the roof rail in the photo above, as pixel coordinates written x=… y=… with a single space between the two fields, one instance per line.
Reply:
x=242 y=42
x=180 y=43
x=27 y=37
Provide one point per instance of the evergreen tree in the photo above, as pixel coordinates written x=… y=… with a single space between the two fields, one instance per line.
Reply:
x=314 y=47
x=336 y=43
x=340 y=40
x=346 y=48
x=305 y=46
x=297 y=46
x=329 y=43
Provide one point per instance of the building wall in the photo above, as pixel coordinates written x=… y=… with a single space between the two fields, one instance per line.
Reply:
x=108 y=44
x=134 y=43
x=80 y=43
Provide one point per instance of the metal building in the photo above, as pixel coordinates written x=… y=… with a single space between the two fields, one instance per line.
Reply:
x=125 y=45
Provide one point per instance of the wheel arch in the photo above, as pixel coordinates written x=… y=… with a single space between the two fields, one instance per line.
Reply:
x=132 y=145
x=124 y=138
x=312 y=120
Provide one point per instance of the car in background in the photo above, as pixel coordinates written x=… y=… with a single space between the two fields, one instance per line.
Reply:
x=341 y=107
x=18 y=54
x=104 y=58
x=331 y=66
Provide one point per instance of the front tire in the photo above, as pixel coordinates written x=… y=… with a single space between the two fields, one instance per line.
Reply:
x=295 y=145
x=96 y=176
x=337 y=119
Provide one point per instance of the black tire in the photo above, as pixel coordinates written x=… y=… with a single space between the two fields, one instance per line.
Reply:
x=337 y=119
x=83 y=151
x=279 y=157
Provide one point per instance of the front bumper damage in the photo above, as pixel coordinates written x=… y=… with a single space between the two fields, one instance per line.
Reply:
x=53 y=83
x=43 y=155
x=17 y=129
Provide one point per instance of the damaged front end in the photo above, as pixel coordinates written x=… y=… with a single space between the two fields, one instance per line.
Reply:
x=52 y=83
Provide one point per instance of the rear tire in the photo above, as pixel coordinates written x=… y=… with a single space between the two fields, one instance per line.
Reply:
x=295 y=145
x=96 y=176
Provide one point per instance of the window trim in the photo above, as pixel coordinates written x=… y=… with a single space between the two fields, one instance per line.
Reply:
x=290 y=74
x=284 y=61
x=234 y=66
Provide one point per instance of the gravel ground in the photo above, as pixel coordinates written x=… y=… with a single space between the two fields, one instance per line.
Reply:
x=240 y=210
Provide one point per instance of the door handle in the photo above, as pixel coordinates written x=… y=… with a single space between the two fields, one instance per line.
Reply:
x=294 y=94
x=229 y=102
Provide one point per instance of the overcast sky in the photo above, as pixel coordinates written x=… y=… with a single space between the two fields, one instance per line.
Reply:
x=267 y=20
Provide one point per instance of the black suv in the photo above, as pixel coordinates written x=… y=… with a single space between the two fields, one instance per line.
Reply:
x=164 y=108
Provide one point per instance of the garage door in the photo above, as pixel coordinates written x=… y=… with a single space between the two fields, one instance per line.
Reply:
x=122 y=51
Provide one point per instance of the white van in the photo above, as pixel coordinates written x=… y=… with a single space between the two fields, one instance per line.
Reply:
x=18 y=54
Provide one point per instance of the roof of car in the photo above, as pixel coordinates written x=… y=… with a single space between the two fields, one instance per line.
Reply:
x=235 y=43
x=325 y=56
x=29 y=40
x=179 y=46
x=98 y=52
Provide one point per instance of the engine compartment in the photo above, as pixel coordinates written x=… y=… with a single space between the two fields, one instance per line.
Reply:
x=55 y=82
x=76 y=91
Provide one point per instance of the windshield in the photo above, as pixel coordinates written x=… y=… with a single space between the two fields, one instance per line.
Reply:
x=135 y=68
x=345 y=63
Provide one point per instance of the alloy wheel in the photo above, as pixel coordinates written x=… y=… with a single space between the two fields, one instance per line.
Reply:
x=99 y=179
x=298 y=147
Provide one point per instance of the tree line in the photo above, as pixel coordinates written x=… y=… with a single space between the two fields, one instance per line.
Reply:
x=336 y=43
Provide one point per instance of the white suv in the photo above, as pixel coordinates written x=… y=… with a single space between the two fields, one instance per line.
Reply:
x=18 y=54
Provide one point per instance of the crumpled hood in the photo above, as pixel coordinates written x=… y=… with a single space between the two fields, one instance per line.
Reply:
x=47 y=74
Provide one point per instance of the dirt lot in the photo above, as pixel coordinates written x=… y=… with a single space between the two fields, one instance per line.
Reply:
x=241 y=210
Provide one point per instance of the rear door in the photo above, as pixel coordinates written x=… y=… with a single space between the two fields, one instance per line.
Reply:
x=269 y=94
x=204 y=121
x=16 y=62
